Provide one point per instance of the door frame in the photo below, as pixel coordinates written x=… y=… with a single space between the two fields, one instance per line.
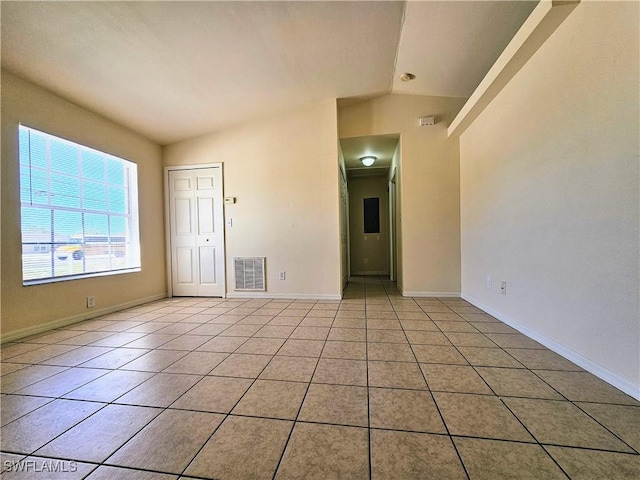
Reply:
x=167 y=223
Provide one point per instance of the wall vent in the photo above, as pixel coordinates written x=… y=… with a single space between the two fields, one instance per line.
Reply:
x=250 y=273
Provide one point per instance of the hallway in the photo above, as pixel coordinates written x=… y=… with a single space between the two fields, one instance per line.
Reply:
x=375 y=386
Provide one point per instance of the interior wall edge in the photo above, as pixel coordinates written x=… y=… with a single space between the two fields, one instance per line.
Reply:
x=63 y=322
x=590 y=366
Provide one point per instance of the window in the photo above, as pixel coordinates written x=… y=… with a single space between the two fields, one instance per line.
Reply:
x=79 y=210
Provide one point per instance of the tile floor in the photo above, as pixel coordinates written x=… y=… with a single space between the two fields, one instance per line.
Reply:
x=376 y=386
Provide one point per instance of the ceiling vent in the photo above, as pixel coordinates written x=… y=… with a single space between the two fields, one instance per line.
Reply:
x=250 y=273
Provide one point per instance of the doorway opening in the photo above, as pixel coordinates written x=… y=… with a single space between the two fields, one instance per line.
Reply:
x=371 y=206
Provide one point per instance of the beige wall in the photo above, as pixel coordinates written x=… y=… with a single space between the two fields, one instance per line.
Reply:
x=38 y=307
x=369 y=251
x=550 y=195
x=284 y=173
x=429 y=224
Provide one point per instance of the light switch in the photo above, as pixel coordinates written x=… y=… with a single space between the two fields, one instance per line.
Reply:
x=229 y=222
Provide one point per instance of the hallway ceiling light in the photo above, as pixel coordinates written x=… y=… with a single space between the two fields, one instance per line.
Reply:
x=368 y=160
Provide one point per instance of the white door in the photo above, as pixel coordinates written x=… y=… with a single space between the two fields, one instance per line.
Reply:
x=197 y=238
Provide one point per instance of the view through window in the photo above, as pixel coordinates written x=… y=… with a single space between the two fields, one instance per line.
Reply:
x=79 y=210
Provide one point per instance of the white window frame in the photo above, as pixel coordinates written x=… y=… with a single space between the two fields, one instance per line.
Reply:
x=131 y=216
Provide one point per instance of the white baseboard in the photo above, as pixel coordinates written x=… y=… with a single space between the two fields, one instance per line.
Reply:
x=430 y=294
x=293 y=296
x=63 y=322
x=598 y=370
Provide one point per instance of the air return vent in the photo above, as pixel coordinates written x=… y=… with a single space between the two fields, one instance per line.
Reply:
x=250 y=273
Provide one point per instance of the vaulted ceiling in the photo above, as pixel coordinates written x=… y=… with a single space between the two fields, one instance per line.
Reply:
x=175 y=70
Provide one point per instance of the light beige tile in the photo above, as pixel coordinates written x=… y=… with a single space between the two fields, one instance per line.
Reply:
x=242 y=365
x=310 y=333
x=315 y=322
x=242 y=448
x=417 y=337
x=585 y=387
x=510 y=340
x=261 y=346
x=493 y=327
x=117 y=340
x=287 y=321
x=29 y=375
x=396 y=375
x=438 y=354
x=347 y=334
x=302 y=348
x=469 y=339
x=492 y=459
x=109 y=387
x=394 y=352
x=110 y=473
x=214 y=394
x=153 y=340
x=325 y=451
x=15 y=406
x=222 y=344
x=169 y=442
x=42 y=354
x=116 y=358
x=623 y=420
x=388 y=336
x=383 y=324
x=337 y=404
x=454 y=378
x=341 y=372
x=447 y=326
x=346 y=322
x=294 y=369
x=511 y=382
x=541 y=359
x=197 y=363
x=409 y=456
x=241 y=331
x=479 y=416
x=160 y=390
x=275 y=331
x=155 y=360
x=63 y=382
x=345 y=350
x=562 y=423
x=419 y=325
x=186 y=342
x=489 y=357
x=76 y=356
x=583 y=464
x=32 y=431
x=6 y=368
x=274 y=399
x=97 y=437
x=404 y=410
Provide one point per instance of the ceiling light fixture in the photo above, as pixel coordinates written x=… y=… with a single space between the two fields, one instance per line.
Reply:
x=368 y=160
x=407 y=77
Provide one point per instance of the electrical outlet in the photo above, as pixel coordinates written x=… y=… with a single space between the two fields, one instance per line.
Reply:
x=282 y=275
x=366 y=260
x=503 y=288
x=91 y=301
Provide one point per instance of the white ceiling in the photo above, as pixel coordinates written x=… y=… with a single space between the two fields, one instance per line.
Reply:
x=175 y=70
x=380 y=146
